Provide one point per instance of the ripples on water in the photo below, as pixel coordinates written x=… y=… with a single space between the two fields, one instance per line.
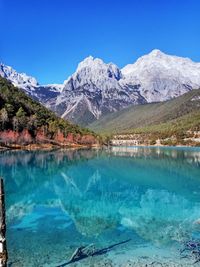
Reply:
x=57 y=201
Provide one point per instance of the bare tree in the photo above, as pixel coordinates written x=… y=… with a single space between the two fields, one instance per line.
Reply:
x=4 y=117
x=15 y=124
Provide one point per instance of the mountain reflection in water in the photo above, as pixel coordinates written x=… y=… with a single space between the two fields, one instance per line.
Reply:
x=102 y=195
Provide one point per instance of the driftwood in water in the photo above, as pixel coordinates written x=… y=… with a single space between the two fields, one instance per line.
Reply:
x=89 y=251
x=3 y=248
x=82 y=252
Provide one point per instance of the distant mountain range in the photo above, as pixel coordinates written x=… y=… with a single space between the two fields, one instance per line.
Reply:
x=41 y=93
x=97 y=88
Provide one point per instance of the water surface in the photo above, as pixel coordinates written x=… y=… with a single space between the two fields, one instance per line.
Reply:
x=58 y=201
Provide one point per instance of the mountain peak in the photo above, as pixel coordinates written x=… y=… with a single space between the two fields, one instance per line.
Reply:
x=156 y=53
x=95 y=69
x=90 y=61
x=97 y=88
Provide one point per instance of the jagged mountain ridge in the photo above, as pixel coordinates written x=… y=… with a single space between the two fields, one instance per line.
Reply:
x=93 y=90
x=41 y=93
x=162 y=77
x=97 y=88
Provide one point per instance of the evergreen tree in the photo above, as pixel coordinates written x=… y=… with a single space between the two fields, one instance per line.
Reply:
x=21 y=117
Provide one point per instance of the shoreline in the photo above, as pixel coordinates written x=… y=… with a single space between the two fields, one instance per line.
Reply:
x=45 y=147
x=127 y=143
x=145 y=145
x=49 y=147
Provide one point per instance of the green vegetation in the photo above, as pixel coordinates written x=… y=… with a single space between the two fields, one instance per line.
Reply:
x=19 y=112
x=177 y=127
x=157 y=120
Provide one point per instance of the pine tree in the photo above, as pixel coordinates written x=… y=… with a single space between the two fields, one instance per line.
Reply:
x=21 y=117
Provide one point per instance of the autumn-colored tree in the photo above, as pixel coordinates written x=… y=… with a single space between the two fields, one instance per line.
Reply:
x=20 y=113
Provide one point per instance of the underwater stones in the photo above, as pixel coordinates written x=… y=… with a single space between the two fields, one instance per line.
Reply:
x=93 y=226
x=92 y=218
x=158 y=232
x=19 y=210
x=91 y=212
x=154 y=218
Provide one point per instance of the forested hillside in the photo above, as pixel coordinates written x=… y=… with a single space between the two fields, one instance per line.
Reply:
x=23 y=120
x=173 y=117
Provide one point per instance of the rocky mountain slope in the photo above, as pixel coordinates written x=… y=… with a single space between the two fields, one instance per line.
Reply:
x=161 y=77
x=97 y=88
x=93 y=90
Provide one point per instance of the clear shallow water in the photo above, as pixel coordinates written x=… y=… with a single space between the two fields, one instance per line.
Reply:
x=58 y=201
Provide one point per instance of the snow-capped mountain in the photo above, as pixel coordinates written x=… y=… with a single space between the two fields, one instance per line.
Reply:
x=18 y=79
x=41 y=93
x=97 y=88
x=162 y=77
x=93 y=90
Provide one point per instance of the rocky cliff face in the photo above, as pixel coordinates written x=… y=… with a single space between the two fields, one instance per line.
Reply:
x=97 y=88
x=161 y=77
x=93 y=90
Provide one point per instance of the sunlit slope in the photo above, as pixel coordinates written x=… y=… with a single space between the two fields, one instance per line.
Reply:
x=181 y=113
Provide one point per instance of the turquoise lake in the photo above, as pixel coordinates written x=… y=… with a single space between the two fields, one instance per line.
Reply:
x=142 y=202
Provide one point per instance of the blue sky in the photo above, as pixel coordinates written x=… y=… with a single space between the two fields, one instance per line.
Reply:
x=47 y=38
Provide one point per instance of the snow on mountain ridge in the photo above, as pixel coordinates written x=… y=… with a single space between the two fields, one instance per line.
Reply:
x=54 y=87
x=22 y=80
x=162 y=76
x=29 y=84
x=159 y=59
x=18 y=79
x=96 y=88
x=95 y=68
